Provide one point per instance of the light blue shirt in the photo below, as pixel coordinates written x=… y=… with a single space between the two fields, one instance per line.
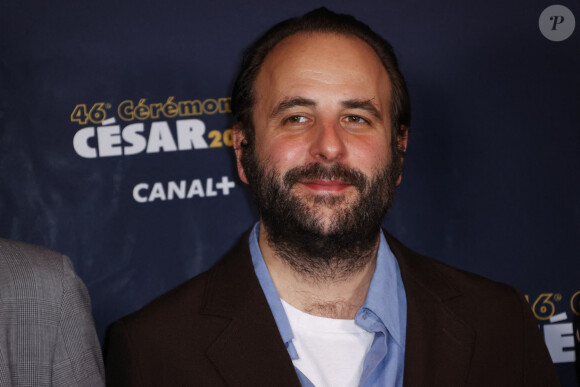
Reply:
x=383 y=313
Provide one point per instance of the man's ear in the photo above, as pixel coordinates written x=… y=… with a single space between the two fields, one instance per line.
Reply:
x=239 y=143
x=402 y=140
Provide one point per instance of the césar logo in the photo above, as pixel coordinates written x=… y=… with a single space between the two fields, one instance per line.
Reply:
x=558 y=331
x=149 y=127
x=158 y=136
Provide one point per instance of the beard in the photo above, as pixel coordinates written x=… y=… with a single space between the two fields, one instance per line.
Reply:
x=324 y=247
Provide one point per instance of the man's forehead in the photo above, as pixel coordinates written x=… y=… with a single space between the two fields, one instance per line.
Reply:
x=305 y=64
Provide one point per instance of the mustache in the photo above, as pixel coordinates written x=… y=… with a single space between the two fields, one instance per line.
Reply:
x=336 y=171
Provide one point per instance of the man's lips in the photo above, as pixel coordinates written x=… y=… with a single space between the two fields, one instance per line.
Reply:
x=326 y=185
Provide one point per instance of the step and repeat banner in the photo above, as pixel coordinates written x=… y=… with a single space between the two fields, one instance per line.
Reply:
x=116 y=141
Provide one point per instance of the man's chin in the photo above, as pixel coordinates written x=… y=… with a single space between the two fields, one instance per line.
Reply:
x=324 y=221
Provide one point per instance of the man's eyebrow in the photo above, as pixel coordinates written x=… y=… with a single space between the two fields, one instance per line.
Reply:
x=362 y=104
x=289 y=103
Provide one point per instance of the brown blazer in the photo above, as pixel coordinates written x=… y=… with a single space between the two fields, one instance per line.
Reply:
x=217 y=329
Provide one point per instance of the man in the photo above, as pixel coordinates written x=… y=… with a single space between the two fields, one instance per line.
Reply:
x=47 y=334
x=317 y=294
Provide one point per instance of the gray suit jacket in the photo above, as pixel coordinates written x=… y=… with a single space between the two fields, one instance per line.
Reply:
x=47 y=334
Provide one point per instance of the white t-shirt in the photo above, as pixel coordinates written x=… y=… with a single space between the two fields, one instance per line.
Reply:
x=331 y=351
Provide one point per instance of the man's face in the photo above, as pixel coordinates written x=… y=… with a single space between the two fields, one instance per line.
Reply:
x=322 y=130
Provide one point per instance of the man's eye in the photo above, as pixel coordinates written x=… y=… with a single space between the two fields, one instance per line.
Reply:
x=296 y=119
x=355 y=119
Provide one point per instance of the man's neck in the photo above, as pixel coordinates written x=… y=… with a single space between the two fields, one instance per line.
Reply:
x=336 y=295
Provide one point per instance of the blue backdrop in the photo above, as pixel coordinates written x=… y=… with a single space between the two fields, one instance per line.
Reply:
x=115 y=141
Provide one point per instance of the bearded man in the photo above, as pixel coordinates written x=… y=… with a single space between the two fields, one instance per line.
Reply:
x=316 y=293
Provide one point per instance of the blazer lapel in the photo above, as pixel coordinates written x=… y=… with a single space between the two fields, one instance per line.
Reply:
x=438 y=345
x=249 y=350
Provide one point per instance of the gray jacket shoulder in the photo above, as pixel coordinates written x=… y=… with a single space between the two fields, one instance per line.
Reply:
x=46 y=320
x=30 y=271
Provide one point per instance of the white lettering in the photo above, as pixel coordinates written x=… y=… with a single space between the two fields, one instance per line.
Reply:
x=195 y=189
x=109 y=139
x=190 y=132
x=81 y=143
x=131 y=135
x=160 y=138
x=209 y=191
x=177 y=189
x=112 y=140
x=157 y=192
x=137 y=192
x=225 y=185
x=559 y=337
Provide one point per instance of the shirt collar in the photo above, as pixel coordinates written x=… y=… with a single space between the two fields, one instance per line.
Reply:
x=270 y=290
x=386 y=296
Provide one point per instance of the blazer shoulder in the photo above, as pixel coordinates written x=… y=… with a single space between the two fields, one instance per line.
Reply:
x=494 y=310
x=478 y=317
x=187 y=296
x=30 y=266
x=445 y=281
x=16 y=251
x=190 y=298
x=41 y=292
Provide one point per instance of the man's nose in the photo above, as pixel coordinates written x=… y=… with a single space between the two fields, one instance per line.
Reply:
x=327 y=142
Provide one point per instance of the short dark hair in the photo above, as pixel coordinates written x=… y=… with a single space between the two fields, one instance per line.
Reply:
x=320 y=20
